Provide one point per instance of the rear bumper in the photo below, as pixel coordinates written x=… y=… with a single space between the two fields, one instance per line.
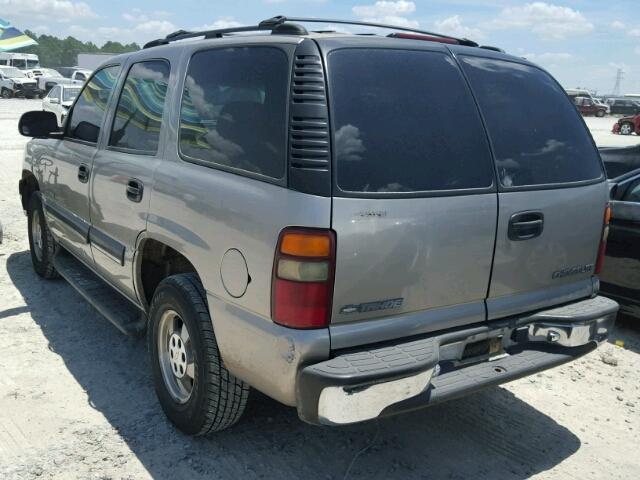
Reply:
x=366 y=383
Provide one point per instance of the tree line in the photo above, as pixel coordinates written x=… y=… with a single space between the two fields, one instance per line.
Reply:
x=63 y=52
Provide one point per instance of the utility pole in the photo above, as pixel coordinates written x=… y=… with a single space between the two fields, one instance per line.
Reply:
x=619 y=77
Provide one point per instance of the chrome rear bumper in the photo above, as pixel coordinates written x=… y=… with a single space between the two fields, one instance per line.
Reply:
x=363 y=384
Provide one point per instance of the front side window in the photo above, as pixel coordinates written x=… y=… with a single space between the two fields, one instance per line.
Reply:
x=404 y=121
x=136 y=125
x=70 y=94
x=634 y=194
x=55 y=93
x=538 y=137
x=233 y=110
x=89 y=110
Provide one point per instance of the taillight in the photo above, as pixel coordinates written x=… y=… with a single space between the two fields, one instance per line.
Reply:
x=603 y=240
x=302 y=283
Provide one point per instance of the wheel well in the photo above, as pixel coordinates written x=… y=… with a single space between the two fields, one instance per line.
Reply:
x=158 y=261
x=28 y=185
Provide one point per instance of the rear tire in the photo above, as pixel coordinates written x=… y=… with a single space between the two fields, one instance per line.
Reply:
x=6 y=93
x=195 y=390
x=41 y=242
x=626 y=128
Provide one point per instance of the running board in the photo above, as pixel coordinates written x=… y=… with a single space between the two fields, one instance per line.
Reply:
x=104 y=298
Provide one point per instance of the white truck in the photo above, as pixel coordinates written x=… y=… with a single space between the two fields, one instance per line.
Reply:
x=22 y=61
x=48 y=78
x=14 y=83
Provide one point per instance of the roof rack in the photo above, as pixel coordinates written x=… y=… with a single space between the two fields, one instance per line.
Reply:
x=281 y=19
x=277 y=25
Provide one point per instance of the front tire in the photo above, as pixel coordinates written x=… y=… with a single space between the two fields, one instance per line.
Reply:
x=41 y=242
x=600 y=113
x=6 y=93
x=626 y=128
x=195 y=390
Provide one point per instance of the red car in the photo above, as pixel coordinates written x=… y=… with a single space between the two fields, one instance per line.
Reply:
x=586 y=106
x=627 y=125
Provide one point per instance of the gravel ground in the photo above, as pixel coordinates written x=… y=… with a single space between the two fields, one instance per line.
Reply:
x=77 y=401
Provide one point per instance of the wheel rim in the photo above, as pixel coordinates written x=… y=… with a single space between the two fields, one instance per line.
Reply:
x=625 y=129
x=176 y=356
x=36 y=234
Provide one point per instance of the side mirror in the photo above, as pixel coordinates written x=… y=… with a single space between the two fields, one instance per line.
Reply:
x=54 y=100
x=39 y=124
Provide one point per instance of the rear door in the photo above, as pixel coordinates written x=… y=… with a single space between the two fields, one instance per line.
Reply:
x=414 y=205
x=123 y=172
x=552 y=193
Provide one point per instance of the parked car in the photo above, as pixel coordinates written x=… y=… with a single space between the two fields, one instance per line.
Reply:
x=53 y=77
x=599 y=101
x=620 y=161
x=59 y=100
x=587 y=106
x=21 y=61
x=572 y=93
x=321 y=248
x=75 y=73
x=14 y=83
x=624 y=106
x=627 y=125
x=620 y=277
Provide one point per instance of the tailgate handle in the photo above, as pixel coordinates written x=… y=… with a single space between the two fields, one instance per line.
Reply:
x=525 y=225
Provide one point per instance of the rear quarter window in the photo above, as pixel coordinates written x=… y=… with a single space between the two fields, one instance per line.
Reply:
x=234 y=110
x=537 y=134
x=404 y=121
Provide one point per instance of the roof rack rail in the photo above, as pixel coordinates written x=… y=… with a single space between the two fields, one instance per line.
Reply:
x=273 y=24
x=282 y=19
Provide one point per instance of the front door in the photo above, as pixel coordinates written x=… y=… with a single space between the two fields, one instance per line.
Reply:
x=123 y=172
x=65 y=169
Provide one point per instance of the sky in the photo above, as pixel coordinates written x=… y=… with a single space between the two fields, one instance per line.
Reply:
x=581 y=42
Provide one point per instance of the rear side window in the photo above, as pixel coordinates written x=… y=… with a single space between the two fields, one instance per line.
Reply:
x=404 y=121
x=89 y=109
x=538 y=137
x=136 y=125
x=233 y=112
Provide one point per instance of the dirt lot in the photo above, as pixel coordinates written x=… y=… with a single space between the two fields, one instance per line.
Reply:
x=77 y=401
x=601 y=131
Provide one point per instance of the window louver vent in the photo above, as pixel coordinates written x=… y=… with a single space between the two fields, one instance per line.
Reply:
x=308 y=80
x=309 y=128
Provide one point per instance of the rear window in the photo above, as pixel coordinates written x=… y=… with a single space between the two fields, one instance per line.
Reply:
x=538 y=137
x=404 y=121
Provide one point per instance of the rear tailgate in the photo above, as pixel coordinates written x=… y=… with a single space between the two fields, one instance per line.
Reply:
x=414 y=205
x=552 y=192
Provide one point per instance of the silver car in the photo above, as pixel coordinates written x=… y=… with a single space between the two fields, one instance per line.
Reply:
x=356 y=226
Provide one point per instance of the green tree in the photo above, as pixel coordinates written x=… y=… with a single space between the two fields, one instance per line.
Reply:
x=58 y=52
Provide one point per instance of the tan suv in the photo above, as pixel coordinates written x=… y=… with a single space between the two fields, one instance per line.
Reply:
x=354 y=225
